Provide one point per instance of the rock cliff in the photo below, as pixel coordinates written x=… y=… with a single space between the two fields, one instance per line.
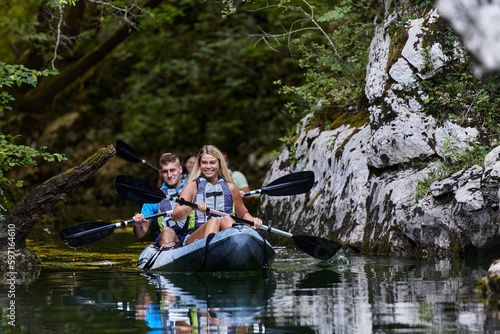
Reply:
x=365 y=194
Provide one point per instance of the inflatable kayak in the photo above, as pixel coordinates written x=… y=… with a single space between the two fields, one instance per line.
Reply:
x=238 y=248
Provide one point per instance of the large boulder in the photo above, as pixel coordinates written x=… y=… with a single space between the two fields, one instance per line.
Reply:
x=366 y=193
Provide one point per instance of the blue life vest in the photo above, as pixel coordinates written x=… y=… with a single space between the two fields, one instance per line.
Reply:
x=218 y=197
x=167 y=205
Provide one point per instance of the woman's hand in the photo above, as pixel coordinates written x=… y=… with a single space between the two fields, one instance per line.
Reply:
x=202 y=206
x=257 y=222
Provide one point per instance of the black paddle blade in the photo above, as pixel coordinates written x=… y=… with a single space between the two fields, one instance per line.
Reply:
x=84 y=234
x=126 y=152
x=138 y=190
x=292 y=184
x=318 y=248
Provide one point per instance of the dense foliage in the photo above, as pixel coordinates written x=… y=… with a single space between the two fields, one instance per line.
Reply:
x=172 y=76
x=330 y=41
x=11 y=154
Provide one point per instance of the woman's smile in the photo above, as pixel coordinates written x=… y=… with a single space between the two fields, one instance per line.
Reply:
x=209 y=166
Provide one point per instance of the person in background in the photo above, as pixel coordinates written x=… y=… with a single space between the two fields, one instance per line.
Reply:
x=188 y=165
x=168 y=233
x=210 y=186
x=239 y=181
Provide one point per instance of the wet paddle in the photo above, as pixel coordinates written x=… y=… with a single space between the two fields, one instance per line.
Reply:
x=127 y=153
x=291 y=184
x=138 y=190
x=86 y=233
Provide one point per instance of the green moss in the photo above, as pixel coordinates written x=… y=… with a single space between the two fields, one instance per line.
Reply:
x=284 y=242
x=294 y=139
x=383 y=244
x=455 y=242
x=339 y=117
x=399 y=37
x=340 y=149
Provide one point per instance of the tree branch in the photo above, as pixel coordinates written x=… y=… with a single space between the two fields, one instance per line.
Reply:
x=310 y=17
x=29 y=210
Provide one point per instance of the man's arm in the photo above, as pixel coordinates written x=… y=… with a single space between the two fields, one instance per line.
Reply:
x=141 y=225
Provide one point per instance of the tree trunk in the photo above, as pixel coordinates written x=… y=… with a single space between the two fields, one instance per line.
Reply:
x=51 y=86
x=14 y=255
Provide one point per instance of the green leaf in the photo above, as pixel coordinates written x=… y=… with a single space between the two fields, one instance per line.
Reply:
x=337 y=14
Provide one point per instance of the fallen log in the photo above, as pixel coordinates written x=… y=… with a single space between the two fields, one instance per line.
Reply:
x=14 y=255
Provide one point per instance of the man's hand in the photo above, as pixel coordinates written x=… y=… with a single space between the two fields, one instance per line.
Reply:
x=139 y=219
x=141 y=225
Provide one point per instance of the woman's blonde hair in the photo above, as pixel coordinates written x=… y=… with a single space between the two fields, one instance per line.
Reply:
x=215 y=152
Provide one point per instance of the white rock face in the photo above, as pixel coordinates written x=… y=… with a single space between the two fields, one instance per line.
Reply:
x=401 y=140
x=452 y=138
x=426 y=60
x=402 y=72
x=375 y=69
x=365 y=189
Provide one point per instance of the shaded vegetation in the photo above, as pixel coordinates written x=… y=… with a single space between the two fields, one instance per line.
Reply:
x=172 y=76
x=174 y=79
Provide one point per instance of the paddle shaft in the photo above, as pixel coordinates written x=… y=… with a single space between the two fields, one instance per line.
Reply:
x=317 y=247
x=248 y=222
x=149 y=165
x=131 y=153
x=143 y=161
x=120 y=224
x=182 y=201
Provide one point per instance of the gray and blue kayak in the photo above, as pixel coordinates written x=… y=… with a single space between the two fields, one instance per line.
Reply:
x=239 y=248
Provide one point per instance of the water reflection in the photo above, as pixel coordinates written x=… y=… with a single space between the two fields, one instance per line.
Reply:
x=203 y=303
x=100 y=290
x=347 y=295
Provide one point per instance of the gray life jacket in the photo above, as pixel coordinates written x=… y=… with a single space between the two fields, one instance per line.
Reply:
x=167 y=205
x=218 y=197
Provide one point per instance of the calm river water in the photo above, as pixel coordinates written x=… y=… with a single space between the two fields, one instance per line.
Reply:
x=98 y=289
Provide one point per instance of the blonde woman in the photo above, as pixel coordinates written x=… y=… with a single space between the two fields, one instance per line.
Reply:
x=210 y=186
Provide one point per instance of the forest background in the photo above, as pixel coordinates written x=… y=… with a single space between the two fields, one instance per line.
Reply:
x=175 y=75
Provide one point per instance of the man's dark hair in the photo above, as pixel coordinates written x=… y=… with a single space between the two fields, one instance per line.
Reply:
x=168 y=158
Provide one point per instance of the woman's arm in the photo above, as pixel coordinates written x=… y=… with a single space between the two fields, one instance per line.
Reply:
x=241 y=209
x=188 y=192
x=239 y=206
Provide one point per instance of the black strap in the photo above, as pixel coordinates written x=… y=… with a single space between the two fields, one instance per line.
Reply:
x=265 y=264
x=152 y=260
x=209 y=238
x=215 y=194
